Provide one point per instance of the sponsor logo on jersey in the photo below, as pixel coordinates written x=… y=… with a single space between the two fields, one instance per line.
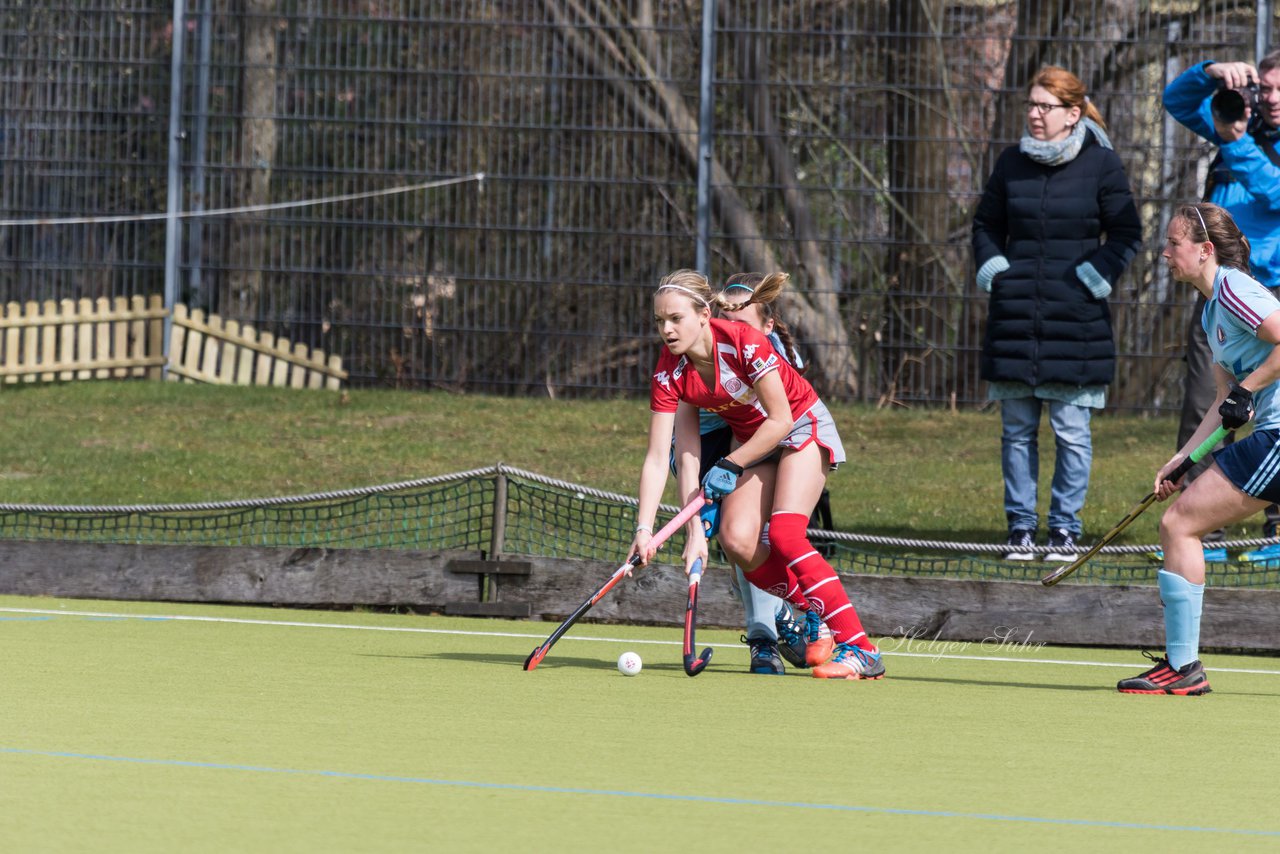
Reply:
x=663 y=379
x=761 y=364
x=679 y=369
x=1222 y=335
x=749 y=351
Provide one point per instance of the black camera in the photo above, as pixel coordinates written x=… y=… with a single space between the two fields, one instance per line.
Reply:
x=1229 y=105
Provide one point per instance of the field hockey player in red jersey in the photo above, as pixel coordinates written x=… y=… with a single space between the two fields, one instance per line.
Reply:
x=788 y=443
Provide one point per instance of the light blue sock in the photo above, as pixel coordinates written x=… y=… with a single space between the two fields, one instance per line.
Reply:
x=1183 y=602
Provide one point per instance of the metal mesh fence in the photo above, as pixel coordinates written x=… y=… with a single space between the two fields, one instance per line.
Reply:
x=849 y=143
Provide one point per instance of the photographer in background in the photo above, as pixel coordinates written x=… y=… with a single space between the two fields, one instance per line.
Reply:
x=1236 y=107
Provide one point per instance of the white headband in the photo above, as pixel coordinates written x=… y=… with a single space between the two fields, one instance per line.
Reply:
x=693 y=294
x=1199 y=215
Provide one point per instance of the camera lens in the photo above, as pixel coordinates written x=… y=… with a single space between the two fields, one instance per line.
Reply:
x=1228 y=105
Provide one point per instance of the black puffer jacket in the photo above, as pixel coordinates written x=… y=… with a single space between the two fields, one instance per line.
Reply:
x=1044 y=325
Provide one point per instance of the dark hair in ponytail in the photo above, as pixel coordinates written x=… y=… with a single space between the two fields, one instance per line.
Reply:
x=764 y=291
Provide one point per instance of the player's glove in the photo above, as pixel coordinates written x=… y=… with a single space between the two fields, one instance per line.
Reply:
x=722 y=479
x=710 y=516
x=1237 y=408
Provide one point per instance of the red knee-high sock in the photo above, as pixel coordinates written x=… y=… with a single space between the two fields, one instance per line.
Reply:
x=774 y=577
x=818 y=581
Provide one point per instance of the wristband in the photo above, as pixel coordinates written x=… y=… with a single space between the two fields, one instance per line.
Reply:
x=644 y=528
x=728 y=464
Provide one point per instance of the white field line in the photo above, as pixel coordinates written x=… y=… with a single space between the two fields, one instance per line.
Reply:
x=352 y=627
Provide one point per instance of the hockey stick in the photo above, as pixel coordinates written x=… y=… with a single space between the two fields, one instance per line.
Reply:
x=690 y=510
x=1183 y=467
x=693 y=666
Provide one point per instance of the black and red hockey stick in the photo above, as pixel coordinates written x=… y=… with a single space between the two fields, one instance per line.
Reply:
x=690 y=510
x=693 y=666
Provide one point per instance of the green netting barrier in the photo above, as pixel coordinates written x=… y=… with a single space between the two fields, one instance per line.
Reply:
x=531 y=515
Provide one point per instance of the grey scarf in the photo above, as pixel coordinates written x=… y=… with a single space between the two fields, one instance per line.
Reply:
x=1063 y=150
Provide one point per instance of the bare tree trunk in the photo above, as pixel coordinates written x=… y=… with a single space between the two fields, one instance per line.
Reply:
x=918 y=181
x=837 y=370
x=622 y=54
x=257 y=153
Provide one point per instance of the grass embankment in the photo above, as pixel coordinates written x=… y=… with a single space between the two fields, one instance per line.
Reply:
x=920 y=473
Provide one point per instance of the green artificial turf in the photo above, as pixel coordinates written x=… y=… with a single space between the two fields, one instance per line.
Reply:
x=349 y=731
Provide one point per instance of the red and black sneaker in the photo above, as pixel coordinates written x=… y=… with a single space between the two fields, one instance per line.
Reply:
x=1187 y=681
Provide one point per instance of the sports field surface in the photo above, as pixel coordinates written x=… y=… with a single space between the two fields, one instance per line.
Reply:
x=172 y=727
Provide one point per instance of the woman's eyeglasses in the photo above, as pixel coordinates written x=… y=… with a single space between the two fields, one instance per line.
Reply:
x=1043 y=108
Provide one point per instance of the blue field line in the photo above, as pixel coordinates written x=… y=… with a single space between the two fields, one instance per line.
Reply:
x=657 y=796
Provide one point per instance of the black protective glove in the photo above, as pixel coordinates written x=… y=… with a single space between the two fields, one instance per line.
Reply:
x=1236 y=408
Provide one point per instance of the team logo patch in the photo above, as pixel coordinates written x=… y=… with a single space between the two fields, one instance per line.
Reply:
x=1222 y=335
x=733 y=385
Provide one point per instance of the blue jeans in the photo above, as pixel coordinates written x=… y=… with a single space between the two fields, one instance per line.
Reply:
x=1020 y=461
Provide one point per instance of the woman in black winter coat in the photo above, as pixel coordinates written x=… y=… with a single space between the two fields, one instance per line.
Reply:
x=1055 y=228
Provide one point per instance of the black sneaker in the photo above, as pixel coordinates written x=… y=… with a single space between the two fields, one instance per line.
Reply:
x=1187 y=681
x=1062 y=545
x=764 y=656
x=1020 y=540
x=791 y=637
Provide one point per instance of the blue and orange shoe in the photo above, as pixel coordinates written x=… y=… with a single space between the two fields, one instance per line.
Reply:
x=851 y=662
x=1187 y=681
x=819 y=643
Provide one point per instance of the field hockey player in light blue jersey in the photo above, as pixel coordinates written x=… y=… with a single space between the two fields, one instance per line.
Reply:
x=1205 y=248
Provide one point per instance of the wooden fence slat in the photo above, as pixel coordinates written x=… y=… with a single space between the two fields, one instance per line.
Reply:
x=262 y=376
x=12 y=340
x=178 y=341
x=301 y=355
x=244 y=365
x=195 y=344
x=155 y=336
x=31 y=343
x=120 y=335
x=212 y=349
x=99 y=336
x=280 y=368
x=228 y=353
x=48 y=340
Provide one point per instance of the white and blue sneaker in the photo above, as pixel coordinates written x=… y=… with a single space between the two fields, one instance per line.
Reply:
x=852 y=662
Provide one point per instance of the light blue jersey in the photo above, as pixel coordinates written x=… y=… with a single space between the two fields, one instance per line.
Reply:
x=1231 y=319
